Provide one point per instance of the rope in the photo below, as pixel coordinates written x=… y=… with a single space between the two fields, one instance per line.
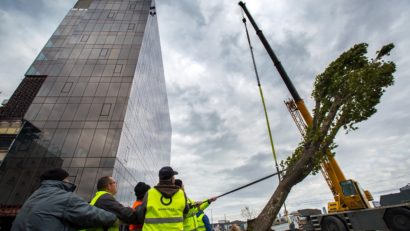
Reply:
x=252 y=183
x=263 y=101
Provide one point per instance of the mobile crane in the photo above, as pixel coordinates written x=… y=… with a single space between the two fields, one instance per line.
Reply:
x=351 y=209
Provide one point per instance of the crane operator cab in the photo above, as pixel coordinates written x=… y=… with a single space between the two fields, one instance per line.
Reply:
x=353 y=197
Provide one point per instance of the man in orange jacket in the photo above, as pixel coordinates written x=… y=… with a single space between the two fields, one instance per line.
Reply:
x=140 y=189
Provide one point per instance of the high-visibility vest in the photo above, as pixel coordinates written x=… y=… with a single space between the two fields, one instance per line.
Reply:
x=164 y=213
x=200 y=222
x=190 y=223
x=136 y=226
x=115 y=227
x=190 y=220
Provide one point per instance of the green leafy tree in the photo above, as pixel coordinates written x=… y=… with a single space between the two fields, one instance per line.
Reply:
x=345 y=94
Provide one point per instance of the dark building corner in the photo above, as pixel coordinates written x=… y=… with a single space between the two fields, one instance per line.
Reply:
x=82 y=4
x=22 y=97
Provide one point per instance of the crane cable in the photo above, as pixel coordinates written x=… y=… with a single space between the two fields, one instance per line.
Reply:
x=263 y=101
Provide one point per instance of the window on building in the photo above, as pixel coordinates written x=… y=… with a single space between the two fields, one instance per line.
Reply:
x=105 y=111
x=67 y=87
x=118 y=68
x=132 y=6
x=84 y=38
x=104 y=52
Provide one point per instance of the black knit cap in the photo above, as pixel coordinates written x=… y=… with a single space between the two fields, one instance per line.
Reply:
x=166 y=173
x=140 y=189
x=54 y=174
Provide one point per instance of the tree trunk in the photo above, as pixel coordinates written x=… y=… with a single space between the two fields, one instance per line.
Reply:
x=266 y=218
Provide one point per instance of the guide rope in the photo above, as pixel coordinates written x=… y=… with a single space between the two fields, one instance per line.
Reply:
x=252 y=183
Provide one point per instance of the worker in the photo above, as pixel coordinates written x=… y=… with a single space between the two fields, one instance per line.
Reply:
x=190 y=220
x=104 y=199
x=140 y=190
x=164 y=205
x=54 y=206
x=203 y=221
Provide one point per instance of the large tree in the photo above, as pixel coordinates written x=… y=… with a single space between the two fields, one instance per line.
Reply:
x=345 y=94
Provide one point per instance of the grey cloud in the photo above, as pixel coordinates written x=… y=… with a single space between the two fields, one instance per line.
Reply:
x=36 y=9
x=190 y=96
x=189 y=7
x=254 y=167
x=200 y=122
x=31 y=8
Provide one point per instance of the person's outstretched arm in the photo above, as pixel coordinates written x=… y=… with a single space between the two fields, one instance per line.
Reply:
x=82 y=215
x=109 y=203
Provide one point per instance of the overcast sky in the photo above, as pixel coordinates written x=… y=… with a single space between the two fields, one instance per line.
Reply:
x=220 y=140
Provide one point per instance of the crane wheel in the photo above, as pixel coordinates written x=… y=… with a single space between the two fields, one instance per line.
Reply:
x=398 y=219
x=332 y=223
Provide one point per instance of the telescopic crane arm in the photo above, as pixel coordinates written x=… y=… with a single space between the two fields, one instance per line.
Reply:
x=357 y=198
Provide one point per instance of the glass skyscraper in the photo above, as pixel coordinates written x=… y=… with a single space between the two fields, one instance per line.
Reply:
x=101 y=109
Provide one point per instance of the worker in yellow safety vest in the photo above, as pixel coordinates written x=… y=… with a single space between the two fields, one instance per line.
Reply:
x=164 y=205
x=203 y=221
x=190 y=220
x=104 y=199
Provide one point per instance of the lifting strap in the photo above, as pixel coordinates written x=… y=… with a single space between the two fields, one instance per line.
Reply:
x=263 y=99
x=263 y=102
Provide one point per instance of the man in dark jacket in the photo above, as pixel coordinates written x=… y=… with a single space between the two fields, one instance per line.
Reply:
x=104 y=199
x=53 y=206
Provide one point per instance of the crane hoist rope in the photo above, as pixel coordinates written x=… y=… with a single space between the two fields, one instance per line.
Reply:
x=263 y=99
x=263 y=102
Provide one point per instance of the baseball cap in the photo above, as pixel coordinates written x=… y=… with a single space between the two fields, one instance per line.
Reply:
x=166 y=173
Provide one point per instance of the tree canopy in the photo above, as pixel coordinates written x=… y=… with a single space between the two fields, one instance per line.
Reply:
x=346 y=93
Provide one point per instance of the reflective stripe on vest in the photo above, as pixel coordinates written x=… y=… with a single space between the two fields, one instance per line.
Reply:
x=164 y=213
x=163 y=220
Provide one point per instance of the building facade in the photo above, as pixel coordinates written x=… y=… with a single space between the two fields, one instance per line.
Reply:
x=102 y=108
